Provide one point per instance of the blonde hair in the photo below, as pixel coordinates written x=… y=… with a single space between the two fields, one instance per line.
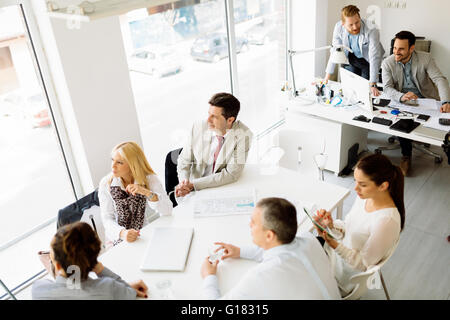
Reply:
x=136 y=160
x=349 y=11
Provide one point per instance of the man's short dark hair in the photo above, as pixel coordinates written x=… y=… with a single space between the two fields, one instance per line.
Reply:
x=406 y=35
x=280 y=216
x=230 y=104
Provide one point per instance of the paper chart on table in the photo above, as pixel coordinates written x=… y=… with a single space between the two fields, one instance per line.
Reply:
x=225 y=203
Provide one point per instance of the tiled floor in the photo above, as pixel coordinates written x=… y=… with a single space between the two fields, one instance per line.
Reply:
x=419 y=268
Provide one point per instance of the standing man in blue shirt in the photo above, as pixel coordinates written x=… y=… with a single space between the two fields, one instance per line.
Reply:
x=408 y=75
x=353 y=32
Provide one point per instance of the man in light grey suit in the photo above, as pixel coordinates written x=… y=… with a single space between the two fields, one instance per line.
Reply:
x=216 y=150
x=354 y=33
x=408 y=75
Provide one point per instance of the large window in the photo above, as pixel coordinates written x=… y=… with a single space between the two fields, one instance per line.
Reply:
x=179 y=57
x=177 y=62
x=262 y=71
x=35 y=179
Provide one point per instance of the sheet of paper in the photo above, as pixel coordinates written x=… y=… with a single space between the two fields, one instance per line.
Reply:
x=429 y=104
x=433 y=122
x=424 y=104
x=429 y=107
x=432 y=113
x=228 y=203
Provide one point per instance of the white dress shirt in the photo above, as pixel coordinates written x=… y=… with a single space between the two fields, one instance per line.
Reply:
x=299 y=270
x=153 y=209
x=368 y=237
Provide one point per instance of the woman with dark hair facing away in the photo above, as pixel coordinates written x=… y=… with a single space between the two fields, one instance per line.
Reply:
x=372 y=228
x=73 y=252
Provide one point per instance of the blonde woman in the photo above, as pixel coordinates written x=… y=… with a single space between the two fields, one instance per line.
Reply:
x=131 y=196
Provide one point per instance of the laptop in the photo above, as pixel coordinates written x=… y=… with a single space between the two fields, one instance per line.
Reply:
x=430 y=133
x=168 y=249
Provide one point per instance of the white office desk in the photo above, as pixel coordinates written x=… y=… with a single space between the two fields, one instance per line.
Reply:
x=340 y=114
x=125 y=258
x=339 y=129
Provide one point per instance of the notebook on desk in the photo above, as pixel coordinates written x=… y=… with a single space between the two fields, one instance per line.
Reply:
x=430 y=133
x=168 y=249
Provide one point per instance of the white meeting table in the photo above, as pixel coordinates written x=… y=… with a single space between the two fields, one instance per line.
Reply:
x=125 y=258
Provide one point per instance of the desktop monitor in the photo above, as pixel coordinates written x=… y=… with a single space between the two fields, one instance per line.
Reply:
x=356 y=89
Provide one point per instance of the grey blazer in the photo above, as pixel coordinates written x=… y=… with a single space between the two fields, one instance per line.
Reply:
x=369 y=44
x=195 y=156
x=425 y=74
x=108 y=286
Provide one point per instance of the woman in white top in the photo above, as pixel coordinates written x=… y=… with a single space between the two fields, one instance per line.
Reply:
x=131 y=196
x=372 y=228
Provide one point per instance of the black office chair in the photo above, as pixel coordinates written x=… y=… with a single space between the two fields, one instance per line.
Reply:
x=74 y=212
x=171 y=174
x=421 y=45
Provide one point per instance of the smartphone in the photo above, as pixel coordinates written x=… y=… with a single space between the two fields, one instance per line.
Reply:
x=44 y=256
x=423 y=117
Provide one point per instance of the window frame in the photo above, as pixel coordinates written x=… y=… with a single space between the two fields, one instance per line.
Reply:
x=59 y=130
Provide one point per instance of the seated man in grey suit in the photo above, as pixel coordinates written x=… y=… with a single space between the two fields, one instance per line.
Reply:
x=216 y=150
x=408 y=75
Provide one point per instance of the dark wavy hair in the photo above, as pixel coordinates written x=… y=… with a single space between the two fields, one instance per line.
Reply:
x=407 y=35
x=230 y=104
x=76 y=244
x=380 y=169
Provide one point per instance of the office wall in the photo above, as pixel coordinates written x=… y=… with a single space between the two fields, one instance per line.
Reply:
x=309 y=30
x=423 y=18
x=321 y=37
x=303 y=38
x=92 y=83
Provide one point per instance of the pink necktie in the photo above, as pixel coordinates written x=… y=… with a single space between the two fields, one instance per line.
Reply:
x=216 y=153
